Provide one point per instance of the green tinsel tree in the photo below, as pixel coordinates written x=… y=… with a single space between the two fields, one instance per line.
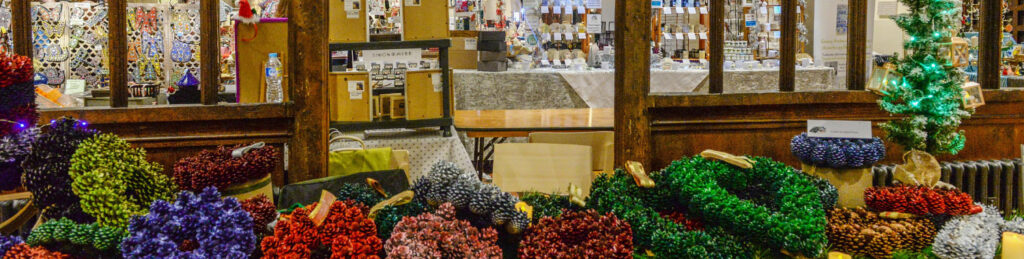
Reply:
x=929 y=94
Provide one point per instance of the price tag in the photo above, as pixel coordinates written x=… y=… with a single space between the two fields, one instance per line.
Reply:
x=558 y=36
x=547 y=37
x=545 y=9
x=567 y=36
x=691 y=10
x=680 y=36
x=568 y=9
x=545 y=62
x=692 y=36
x=74 y=86
x=581 y=36
x=558 y=10
x=750 y=19
x=581 y=9
x=680 y=10
x=435 y=79
x=515 y=16
x=666 y=10
x=703 y=10
x=558 y=62
x=703 y=35
x=668 y=36
x=594 y=4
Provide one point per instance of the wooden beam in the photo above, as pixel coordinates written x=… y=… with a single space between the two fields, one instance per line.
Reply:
x=856 y=64
x=787 y=60
x=117 y=49
x=716 y=41
x=307 y=24
x=21 y=11
x=990 y=38
x=209 y=50
x=632 y=80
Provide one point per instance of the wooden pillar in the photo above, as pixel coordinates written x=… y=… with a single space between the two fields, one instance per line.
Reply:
x=117 y=49
x=990 y=40
x=308 y=68
x=787 y=54
x=21 y=31
x=716 y=42
x=856 y=65
x=632 y=80
x=209 y=50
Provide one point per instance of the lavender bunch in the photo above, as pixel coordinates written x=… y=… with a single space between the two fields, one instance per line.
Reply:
x=6 y=242
x=46 y=169
x=202 y=226
x=970 y=236
x=14 y=149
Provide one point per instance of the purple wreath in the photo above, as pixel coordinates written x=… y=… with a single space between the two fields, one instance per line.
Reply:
x=203 y=226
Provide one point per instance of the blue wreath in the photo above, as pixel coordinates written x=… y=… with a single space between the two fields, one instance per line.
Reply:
x=203 y=226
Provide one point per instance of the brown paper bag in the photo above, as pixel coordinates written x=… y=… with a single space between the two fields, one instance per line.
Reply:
x=851 y=183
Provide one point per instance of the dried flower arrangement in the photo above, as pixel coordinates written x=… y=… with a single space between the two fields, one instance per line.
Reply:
x=578 y=234
x=46 y=170
x=440 y=235
x=79 y=240
x=262 y=211
x=219 y=169
x=346 y=232
x=114 y=180
x=836 y=152
x=970 y=236
x=14 y=148
x=862 y=232
x=194 y=226
x=446 y=183
x=918 y=200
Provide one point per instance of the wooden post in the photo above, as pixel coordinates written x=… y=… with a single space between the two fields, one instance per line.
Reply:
x=209 y=50
x=308 y=49
x=117 y=49
x=716 y=42
x=21 y=31
x=990 y=40
x=856 y=65
x=632 y=80
x=787 y=54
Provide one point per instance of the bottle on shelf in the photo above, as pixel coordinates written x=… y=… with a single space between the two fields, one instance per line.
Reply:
x=275 y=94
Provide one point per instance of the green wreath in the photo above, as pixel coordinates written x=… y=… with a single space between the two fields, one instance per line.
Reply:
x=771 y=203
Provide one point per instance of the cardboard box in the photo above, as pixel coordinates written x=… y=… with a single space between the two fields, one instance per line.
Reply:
x=459 y=57
x=491 y=36
x=493 y=56
x=549 y=168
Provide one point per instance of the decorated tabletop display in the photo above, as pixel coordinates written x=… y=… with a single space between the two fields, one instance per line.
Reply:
x=441 y=235
x=17 y=115
x=862 y=232
x=578 y=234
x=344 y=232
x=114 y=180
x=262 y=211
x=194 y=226
x=219 y=168
x=920 y=200
x=80 y=240
x=836 y=152
x=769 y=204
x=46 y=169
x=446 y=183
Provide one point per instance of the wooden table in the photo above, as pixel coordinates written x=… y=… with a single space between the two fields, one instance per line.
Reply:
x=499 y=125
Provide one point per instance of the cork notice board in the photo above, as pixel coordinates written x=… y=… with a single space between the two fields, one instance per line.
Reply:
x=343 y=107
x=426 y=21
x=250 y=56
x=421 y=99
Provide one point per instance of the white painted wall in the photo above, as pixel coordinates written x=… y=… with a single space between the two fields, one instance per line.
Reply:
x=886 y=32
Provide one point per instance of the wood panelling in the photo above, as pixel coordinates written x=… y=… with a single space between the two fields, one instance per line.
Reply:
x=307 y=27
x=990 y=43
x=632 y=80
x=856 y=50
x=117 y=51
x=209 y=50
x=716 y=50
x=20 y=30
x=763 y=124
x=787 y=60
x=169 y=133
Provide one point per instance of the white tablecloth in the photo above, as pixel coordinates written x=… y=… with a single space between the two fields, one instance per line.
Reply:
x=425 y=149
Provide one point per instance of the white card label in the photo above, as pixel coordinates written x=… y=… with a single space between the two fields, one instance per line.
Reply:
x=567 y=36
x=435 y=79
x=74 y=86
x=545 y=9
x=580 y=9
x=558 y=36
x=666 y=10
x=680 y=10
x=547 y=37
x=703 y=35
x=581 y=36
x=568 y=9
x=355 y=89
x=470 y=44
x=668 y=36
x=679 y=36
x=594 y=4
x=691 y=10
x=594 y=23
x=838 y=129
x=545 y=62
x=692 y=36
x=703 y=10
x=558 y=62
x=558 y=10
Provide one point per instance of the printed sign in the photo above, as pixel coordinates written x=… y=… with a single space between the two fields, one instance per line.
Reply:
x=838 y=129
x=355 y=89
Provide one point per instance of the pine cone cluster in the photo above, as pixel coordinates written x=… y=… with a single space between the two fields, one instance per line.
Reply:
x=970 y=236
x=583 y=234
x=24 y=251
x=262 y=211
x=862 y=232
x=361 y=193
x=918 y=200
x=346 y=232
x=446 y=183
x=14 y=148
x=837 y=153
x=6 y=242
x=219 y=169
x=46 y=169
x=81 y=240
x=440 y=235
x=17 y=94
x=389 y=216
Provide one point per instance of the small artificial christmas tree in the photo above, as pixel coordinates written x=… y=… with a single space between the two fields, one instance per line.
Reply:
x=929 y=94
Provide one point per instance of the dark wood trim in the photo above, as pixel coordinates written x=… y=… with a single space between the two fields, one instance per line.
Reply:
x=802 y=98
x=309 y=68
x=632 y=80
x=787 y=55
x=990 y=44
x=21 y=10
x=209 y=50
x=716 y=42
x=117 y=48
x=856 y=65
x=172 y=113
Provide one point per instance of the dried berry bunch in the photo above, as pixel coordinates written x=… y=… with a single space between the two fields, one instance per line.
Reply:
x=680 y=218
x=837 y=152
x=115 y=181
x=345 y=233
x=15 y=68
x=970 y=236
x=545 y=205
x=17 y=94
x=619 y=194
x=262 y=211
x=389 y=216
x=6 y=242
x=14 y=148
x=440 y=235
x=862 y=232
x=771 y=203
x=446 y=183
x=918 y=200
x=24 y=251
x=194 y=226
x=578 y=234
x=217 y=168
x=80 y=240
x=359 y=192
x=46 y=169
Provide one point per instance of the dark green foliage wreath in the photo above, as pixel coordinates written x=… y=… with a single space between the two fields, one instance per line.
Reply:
x=666 y=239
x=81 y=240
x=771 y=204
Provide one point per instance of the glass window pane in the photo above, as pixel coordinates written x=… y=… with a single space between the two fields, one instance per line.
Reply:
x=69 y=49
